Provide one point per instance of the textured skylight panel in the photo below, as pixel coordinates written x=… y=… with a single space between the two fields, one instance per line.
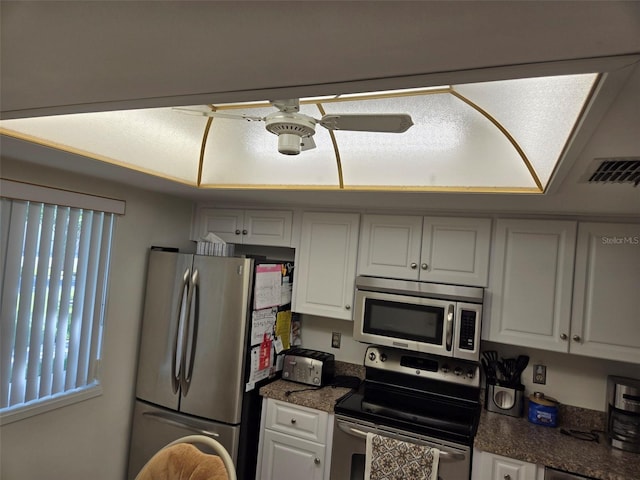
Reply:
x=159 y=140
x=450 y=144
x=539 y=112
x=240 y=152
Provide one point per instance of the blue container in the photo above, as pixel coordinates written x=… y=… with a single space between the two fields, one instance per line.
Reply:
x=543 y=410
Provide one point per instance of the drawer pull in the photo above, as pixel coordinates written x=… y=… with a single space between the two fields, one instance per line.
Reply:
x=316 y=461
x=507 y=477
x=293 y=421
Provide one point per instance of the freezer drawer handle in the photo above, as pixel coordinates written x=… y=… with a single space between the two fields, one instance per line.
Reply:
x=444 y=455
x=159 y=417
x=194 y=297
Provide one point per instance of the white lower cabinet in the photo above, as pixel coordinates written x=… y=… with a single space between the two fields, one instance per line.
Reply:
x=295 y=442
x=489 y=466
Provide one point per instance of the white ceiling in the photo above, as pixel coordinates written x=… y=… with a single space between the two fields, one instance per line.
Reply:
x=65 y=57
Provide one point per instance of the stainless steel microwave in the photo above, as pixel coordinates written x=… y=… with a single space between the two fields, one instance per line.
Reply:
x=424 y=317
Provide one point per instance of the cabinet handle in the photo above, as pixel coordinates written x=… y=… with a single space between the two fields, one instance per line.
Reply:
x=507 y=477
x=347 y=307
x=237 y=232
x=414 y=266
x=293 y=421
x=563 y=336
x=425 y=266
x=316 y=461
x=244 y=232
x=576 y=338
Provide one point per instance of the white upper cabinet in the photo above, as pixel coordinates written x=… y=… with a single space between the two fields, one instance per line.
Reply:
x=606 y=299
x=326 y=264
x=529 y=295
x=249 y=227
x=436 y=249
x=455 y=250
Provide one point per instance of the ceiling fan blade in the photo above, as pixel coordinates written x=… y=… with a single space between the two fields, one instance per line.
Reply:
x=307 y=143
x=241 y=116
x=389 y=123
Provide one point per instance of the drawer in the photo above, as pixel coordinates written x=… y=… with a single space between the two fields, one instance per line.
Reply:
x=296 y=420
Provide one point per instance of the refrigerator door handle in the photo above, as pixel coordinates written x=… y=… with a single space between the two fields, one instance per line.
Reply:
x=175 y=374
x=169 y=421
x=191 y=325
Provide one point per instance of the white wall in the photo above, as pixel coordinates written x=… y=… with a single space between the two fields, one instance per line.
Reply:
x=571 y=379
x=90 y=439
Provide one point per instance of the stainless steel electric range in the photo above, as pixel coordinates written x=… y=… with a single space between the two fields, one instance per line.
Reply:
x=414 y=397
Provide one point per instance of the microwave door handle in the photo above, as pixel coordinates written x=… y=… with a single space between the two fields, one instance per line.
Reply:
x=444 y=455
x=449 y=326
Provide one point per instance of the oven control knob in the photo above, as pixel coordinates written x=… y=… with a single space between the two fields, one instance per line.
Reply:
x=383 y=357
x=372 y=356
x=470 y=373
x=457 y=371
x=316 y=381
x=445 y=369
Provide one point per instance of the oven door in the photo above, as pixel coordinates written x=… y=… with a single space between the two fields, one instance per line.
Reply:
x=403 y=321
x=349 y=447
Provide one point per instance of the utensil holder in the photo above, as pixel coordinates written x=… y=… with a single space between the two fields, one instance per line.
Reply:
x=504 y=400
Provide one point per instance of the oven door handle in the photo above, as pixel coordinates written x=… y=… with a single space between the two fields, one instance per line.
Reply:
x=445 y=455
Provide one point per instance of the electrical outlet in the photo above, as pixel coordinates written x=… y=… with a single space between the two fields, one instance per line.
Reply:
x=335 y=339
x=540 y=374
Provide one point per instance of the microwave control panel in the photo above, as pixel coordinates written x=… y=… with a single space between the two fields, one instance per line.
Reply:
x=467 y=330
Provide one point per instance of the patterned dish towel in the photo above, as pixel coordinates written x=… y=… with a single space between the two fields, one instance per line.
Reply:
x=390 y=459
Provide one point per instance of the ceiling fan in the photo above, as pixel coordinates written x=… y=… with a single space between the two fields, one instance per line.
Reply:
x=295 y=130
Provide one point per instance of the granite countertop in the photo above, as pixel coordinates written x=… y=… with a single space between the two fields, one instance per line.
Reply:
x=324 y=398
x=519 y=439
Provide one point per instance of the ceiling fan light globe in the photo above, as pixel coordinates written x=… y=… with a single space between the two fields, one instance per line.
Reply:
x=288 y=144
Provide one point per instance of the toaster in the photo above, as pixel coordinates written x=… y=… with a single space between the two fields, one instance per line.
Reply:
x=310 y=367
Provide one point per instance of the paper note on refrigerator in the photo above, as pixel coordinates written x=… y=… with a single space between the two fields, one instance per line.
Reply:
x=283 y=328
x=262 y=321
x=268 y=284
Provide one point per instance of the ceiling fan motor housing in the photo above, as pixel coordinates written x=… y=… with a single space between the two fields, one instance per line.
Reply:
x=290 y=129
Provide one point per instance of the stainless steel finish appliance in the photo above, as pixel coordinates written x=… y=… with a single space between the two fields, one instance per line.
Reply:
x=623 y=413
x=504 y=400
x=193 y=361
x=414 y=397
x=423 y=317
x=310 y=367
x=553 y=474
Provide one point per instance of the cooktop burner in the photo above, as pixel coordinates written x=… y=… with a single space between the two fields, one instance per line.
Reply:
x=423 y=402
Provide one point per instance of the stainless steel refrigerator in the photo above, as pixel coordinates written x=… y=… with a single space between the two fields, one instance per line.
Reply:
x=193 y=358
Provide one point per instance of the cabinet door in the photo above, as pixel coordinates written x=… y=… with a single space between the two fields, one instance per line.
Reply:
x=326 y=264
x=225 y=223
x=390 y=246
x=455 y=250
x=529 y=295
x=488 y=466
x=606 y=300
x=290 y=458
x=267 y=227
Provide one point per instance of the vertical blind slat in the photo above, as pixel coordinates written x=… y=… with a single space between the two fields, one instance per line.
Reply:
x=60 y=356
x=18 y=214
x=55 y=284
x=101 y=290
x=78 y=295
x=89 y=297
x=39 y=304
x=25 y=304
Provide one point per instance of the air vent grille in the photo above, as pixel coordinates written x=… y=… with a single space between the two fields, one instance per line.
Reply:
x=614 y=170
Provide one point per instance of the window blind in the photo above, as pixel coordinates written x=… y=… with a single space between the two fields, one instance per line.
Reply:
x=55 y=262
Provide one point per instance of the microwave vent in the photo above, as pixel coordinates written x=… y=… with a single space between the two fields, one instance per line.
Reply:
x=614 y=170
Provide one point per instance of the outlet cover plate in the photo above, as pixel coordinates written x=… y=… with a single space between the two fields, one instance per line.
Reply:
x=335 y=339
x=540 y=374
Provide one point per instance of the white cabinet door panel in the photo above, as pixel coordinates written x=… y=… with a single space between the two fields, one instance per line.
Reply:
x=264 y=227
x=326 y=264
x=529 y=294
x=290 y=458
x=455 y=250
x=606 y=302
x=390 y=246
